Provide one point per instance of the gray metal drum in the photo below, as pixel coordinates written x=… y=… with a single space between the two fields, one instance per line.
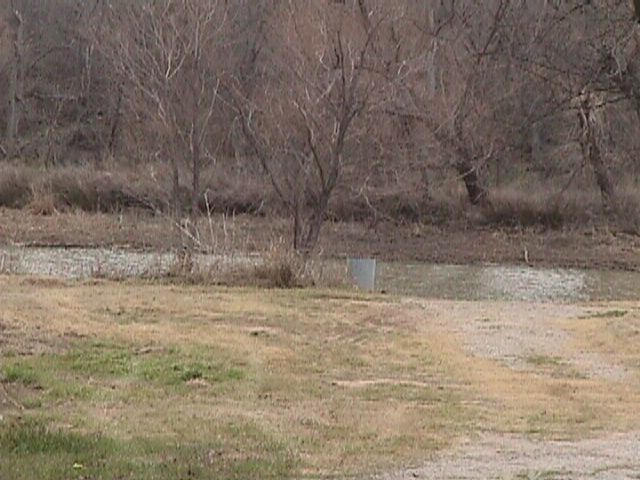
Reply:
x=363 y=272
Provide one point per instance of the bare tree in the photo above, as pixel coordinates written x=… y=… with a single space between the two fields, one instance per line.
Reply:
x=454 y=83
x=48 y=76
x=170 y=56
x=16 y=82
x=320 y=79
x=590 y=111
x=329 y=95
x=590 y=50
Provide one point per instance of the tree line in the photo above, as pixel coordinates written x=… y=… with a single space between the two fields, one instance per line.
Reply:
x=315 y=93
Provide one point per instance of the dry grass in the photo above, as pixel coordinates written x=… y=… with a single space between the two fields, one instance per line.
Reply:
x=286 y=353
x=612 y=332
x=238 y=260
x=15 y=185
x=301 y=382
x=230 y=190
x=78 y=188
x=405 y=202
x=550 y=206
x=626 y=212
x=552 y=397
x=112 y=187
x=540 y=207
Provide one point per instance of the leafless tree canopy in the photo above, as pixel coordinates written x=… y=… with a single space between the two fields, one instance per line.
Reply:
x=326 y=101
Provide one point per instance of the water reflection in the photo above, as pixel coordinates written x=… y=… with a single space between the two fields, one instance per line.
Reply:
x=523 y=283
x=499 y=282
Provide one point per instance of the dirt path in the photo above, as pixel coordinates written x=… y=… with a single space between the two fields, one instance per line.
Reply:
x=511 y=457
x=549 y=343
x=523 y=335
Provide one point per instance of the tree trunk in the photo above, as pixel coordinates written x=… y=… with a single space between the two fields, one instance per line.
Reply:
x=603 y=176
x=464 y=164
x=469 y=174
x=315 y=222
x=115 y=125
x=593 y=155
x=195 y=180
x=177 y=204
x=16 y=83
x=591 y=126
x=297 y=222
x=432 y=67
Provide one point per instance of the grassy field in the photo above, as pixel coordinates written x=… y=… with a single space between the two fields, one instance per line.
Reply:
x=135 y=380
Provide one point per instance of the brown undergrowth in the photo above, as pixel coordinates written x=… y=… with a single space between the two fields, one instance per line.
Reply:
x=110 y=187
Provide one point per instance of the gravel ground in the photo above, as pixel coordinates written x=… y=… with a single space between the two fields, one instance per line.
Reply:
x=509 y=457
x=516 y=334
x=510 y=334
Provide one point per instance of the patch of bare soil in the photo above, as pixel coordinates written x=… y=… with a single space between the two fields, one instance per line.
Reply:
x=538 y=340
x=614 y=457
x=526 y=336
x=460 y=243
x=19 y=338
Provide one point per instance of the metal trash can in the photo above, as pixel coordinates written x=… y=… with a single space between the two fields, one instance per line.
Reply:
x=363 y=272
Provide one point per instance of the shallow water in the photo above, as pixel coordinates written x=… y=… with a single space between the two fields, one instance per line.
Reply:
x=79 y=262
x=504 y=282
x=459 y=282
x=92 y=262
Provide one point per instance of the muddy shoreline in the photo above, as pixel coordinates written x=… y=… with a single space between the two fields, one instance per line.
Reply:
x=591 y=247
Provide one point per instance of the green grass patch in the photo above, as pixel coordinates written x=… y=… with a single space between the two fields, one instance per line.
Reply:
x=561 y=424
x=107 y=370
x=605 y=314
x=32 y=437
x=555 y=366
x=168 y=366
x=21 y=373
x=545 y=361
x=543 y=475
x=33 y=448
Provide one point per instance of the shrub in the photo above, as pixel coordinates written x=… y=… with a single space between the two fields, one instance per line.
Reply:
x=282 y=267
x=15 y=184
x=43 y=200
x=541 y=208
x=626 y=211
